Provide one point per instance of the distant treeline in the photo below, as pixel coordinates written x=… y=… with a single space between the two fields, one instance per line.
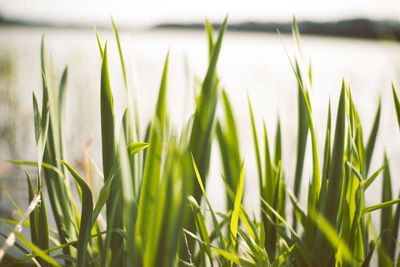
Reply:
x=355 y=28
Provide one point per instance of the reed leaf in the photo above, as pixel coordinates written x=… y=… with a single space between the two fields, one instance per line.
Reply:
x=86 y=216
x=152 y=167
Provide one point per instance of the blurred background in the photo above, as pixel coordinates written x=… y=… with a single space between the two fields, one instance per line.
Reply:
x=354 y=40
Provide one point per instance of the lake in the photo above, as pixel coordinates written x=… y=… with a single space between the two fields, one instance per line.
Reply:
x=253 y=64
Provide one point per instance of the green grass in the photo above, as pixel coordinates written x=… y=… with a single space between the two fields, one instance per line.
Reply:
x=154 y=192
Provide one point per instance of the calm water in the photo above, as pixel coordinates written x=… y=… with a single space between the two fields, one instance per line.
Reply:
x=249 y=63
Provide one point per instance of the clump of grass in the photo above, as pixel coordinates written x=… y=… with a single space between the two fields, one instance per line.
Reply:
x=155 y=182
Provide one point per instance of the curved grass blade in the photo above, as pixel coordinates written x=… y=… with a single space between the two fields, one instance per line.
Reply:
x=35 y=164
x=136 y=147
x=86 y=216
x=51 y=249
x=102 y=199
x=214 y=218
x=200 y=227
x=236 y=209
x=40 y=253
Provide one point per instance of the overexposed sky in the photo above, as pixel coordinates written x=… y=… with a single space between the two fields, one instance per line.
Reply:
x=147 y=13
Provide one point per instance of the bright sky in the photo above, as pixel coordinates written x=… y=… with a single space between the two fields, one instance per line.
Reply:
x=146 y=13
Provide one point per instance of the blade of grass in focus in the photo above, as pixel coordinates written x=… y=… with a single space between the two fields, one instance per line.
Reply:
x=152 y=168
x=330 y=206
x=203 y=122
x=108 y=155
x=86 y=217
x=229 y=147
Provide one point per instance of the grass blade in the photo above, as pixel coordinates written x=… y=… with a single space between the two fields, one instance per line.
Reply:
x=40 y=253
x=136 y=147
x=385 y=255
x=396 y=104
x=256 y=146
x=120 y=52
x=152 y=168
x=86 y=216
x=330 y=206
x=98 y=42
x=301 y=137
x=214 y=218
x=380 y=206
x=369 y=148
x=200 y=139
x=108 y=156
x=236 y=209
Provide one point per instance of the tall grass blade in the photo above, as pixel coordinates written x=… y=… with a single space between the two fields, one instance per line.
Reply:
x=64 y=210
x=108 y=156
x=385 y=255
x=229 y=147
x=169 y=210
x=369 y=148
x=38 y=222
x=302 y=133
x=38 y=217
x=330 y=206
x=256 y=146
x=86 y=216
x=200 y=139
x=152 y=168
x=236 y=209
x=201 y=230
x=203 y=122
